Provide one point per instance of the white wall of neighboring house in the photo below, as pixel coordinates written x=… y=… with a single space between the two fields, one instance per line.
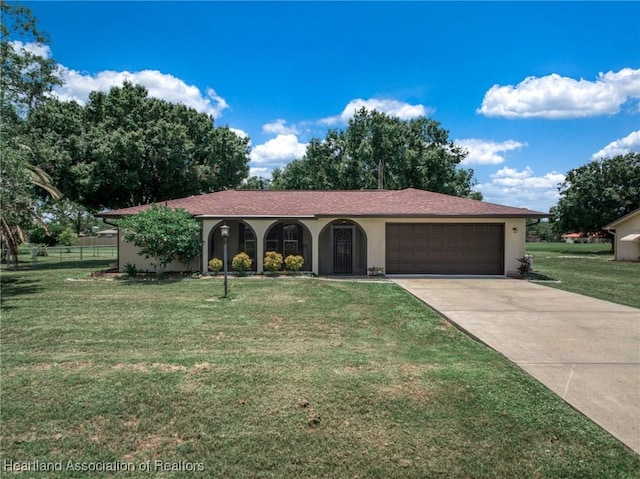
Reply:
x=627 y=250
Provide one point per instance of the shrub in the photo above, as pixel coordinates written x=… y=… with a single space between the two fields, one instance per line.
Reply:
x=525 y=267
x=67 y=237
x=272 y=261
x=163 y=234
x=241 y=262
x=130 y=270
x=294 y=262
x=215 y=265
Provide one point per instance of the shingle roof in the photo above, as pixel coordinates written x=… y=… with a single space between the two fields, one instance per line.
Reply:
x=314 y=203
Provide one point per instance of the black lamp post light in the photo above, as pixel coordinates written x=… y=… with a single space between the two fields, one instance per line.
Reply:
x=224 y=231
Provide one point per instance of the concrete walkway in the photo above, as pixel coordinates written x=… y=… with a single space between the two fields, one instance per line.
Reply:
x=585 y=350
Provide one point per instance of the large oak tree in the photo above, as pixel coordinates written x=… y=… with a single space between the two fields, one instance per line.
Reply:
x=124 y=148
x=378 y=150
x=595 y=194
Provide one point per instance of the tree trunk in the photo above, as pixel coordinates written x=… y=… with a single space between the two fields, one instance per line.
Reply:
x=11 y=242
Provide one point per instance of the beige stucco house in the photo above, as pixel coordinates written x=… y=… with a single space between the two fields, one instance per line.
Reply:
x=626 y=231
x=406 y=231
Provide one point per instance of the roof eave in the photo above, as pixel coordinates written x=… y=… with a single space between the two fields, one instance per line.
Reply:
x=434 y=215
x=622 y=219
x=208 y=216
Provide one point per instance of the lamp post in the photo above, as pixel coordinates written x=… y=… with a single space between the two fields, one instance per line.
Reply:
x=224 y=231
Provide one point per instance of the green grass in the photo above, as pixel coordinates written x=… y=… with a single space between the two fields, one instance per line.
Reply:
x=286 y=378
x=588 y=269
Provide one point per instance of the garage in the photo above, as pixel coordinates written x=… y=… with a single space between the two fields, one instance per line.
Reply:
x=445 y=248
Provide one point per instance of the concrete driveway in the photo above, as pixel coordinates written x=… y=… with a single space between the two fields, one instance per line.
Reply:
x=585 y=350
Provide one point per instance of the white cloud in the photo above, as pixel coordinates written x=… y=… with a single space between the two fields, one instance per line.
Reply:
x=279 y=127
x=554 y=96
x=404 y=111
x=239 y=132
x=77 y=86
x=509 y=186
x=262 y=172
x=38 y=49
x=486 y=152
x=277 y=151
x=622 y=146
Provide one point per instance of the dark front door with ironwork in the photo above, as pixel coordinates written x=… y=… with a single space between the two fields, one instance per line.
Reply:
x=343 y=250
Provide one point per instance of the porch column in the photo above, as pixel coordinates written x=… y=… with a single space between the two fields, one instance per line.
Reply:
x=259 y=252
x=205 y=233
x=260 y=227
x=314 y=227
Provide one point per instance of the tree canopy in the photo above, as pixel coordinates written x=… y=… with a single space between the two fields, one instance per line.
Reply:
x=27 y=76
x=378 y=150
x=598 y=193
x=125 y=148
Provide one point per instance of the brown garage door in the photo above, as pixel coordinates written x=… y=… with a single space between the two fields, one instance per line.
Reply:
x=441 y=248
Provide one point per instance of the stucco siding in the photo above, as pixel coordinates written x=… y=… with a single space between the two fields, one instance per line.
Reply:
x=129 y=253
x=628 y=250
x=370 y=242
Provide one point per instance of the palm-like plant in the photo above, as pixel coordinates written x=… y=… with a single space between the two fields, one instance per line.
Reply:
x=17 y=203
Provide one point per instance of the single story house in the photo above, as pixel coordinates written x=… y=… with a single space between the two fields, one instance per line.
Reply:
x=582 y=238
x=108 y=233
x=406 y=231
x=572 y=237
x=626 y=231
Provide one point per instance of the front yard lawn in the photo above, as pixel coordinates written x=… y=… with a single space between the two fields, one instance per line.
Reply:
x=588 y=269
x=286 y=378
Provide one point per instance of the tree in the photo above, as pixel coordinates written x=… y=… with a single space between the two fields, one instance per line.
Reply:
x=595 y=194
x=67 y=237
x=25 y=79
x=544 y=230
x=380 y=151
x=27 y=76
x=163 y=234
x=256 y=183
x=19 y=181
x=125 y=148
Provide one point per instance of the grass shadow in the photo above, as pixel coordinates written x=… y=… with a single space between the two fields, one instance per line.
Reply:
x=16 y=286
x=72 y=264
x=153 y=280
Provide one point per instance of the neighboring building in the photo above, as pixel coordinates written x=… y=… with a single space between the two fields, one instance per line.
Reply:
x=572 y=237
x=109 y=233
x=406 y=231
x=626 y=231
x=107 y=237
x=582 y=238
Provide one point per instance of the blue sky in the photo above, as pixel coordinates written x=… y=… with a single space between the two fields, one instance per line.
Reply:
x=532 y=90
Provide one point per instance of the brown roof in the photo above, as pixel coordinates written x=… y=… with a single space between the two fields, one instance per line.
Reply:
x=315 y=203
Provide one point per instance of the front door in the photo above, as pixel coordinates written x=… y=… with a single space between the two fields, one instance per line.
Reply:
x=343 y=249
